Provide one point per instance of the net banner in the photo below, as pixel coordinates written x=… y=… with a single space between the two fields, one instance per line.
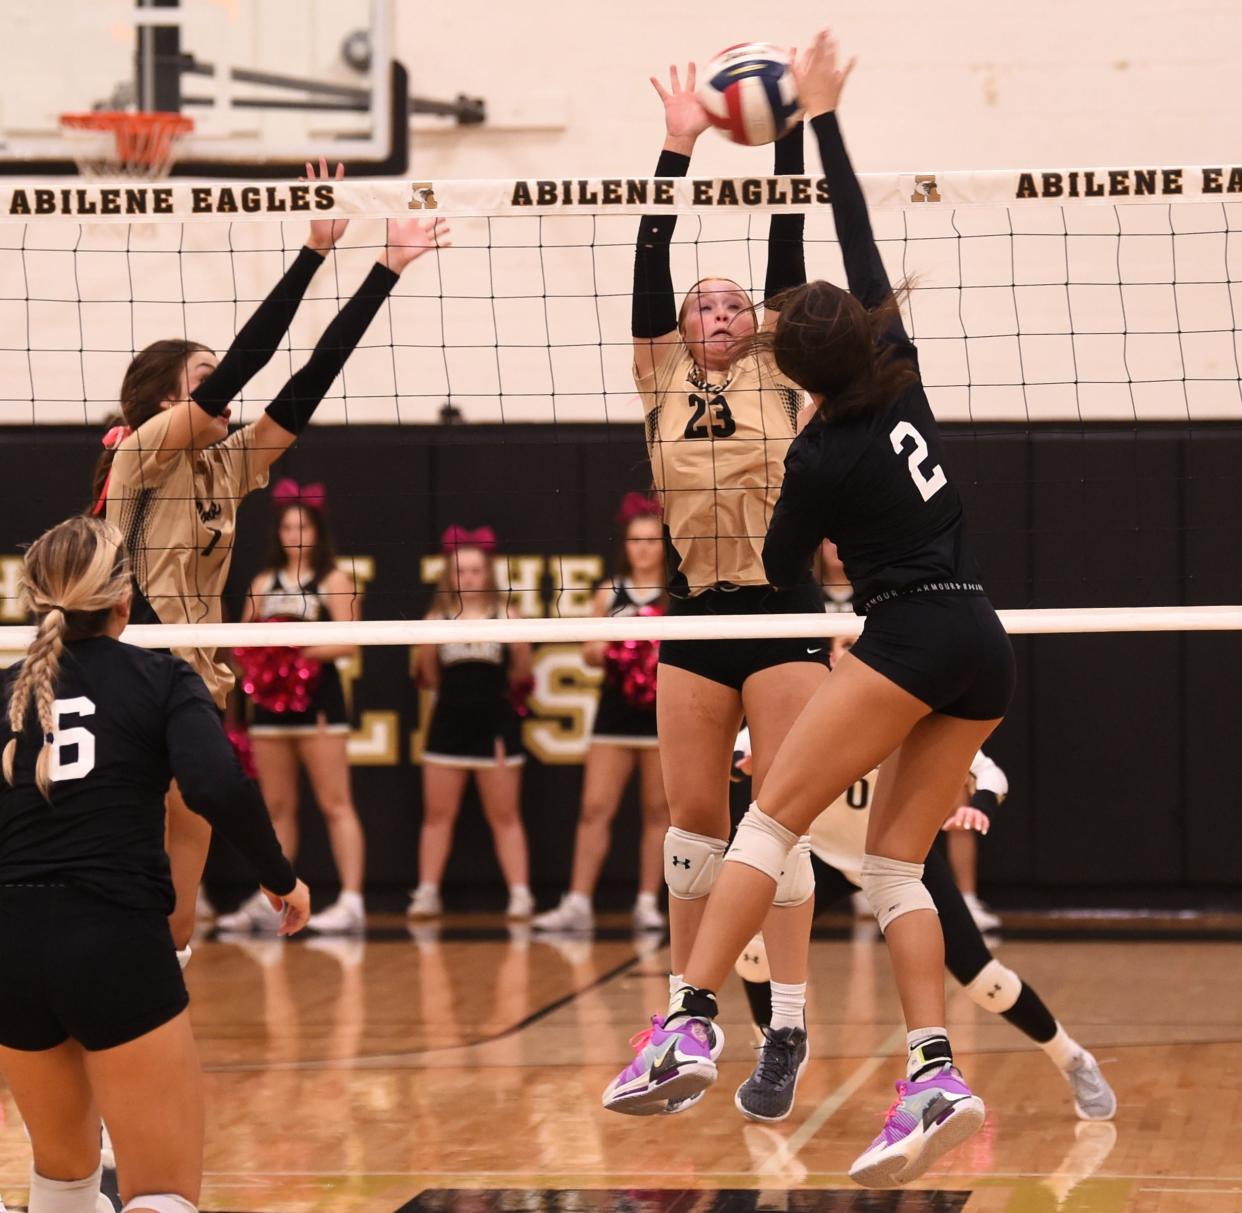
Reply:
x=127 y=202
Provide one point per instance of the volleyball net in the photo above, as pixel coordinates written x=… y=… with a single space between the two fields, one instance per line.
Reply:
x=1077 y=333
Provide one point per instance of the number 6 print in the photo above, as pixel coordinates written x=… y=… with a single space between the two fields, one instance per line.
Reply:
x=928 y=486
x=84 y=761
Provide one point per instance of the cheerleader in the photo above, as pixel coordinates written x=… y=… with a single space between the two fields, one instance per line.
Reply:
x=924 y=687
x=172 y=476
x=719 y=419
x=475 y=727
x=302 y=582
x=94 y=1021
x=623 y=739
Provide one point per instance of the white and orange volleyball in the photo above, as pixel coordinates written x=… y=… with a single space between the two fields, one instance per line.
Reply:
x=748 y=93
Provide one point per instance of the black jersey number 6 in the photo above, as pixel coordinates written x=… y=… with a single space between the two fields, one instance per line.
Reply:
x=710 y=416
x=928 y=485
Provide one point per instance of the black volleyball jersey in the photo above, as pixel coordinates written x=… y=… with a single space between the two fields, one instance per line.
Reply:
x=127 y=722
x=875 y=482
x=876 y=486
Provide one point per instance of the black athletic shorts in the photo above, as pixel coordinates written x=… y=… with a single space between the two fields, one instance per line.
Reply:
x=731 y=662
x=949 y=650
x=78 y=967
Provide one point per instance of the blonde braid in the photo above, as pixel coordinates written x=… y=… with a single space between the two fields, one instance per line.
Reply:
x=71 y=578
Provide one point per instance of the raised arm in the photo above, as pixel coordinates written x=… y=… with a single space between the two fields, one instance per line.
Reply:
x=786 y=257
x=821 y=79
x=653 y=322
x=796 y=528
x=292 y=408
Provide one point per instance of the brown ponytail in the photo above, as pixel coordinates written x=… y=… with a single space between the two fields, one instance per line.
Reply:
x=153 y=376
x=827 y=342
x=72 y=577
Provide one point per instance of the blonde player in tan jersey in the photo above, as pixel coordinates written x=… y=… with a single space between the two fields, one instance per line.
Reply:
x=719 y=421
x=172 y=476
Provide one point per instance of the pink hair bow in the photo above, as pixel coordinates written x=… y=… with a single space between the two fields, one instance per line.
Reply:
x=637 y=505
x=116 y=435
x=288 y=492
x=456 y=537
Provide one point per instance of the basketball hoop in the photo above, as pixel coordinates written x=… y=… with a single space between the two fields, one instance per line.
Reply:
x=118 y=143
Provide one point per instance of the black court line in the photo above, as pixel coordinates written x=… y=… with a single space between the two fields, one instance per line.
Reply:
x=681 y=1200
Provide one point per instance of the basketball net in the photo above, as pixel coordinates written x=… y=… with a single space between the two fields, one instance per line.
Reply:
x=118 y=144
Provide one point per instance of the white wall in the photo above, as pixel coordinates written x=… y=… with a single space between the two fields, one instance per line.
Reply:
x=940 y=84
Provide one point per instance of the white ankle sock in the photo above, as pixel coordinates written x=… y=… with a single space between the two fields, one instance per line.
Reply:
x=352 y=901
x=577 y=901
x=675 y=982
x=916 y=1062
x=647 y=901
x=1063 y=1049
x=788 y=1005
x=64 y=1195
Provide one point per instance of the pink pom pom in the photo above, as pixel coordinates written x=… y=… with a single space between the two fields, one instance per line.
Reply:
x=279 y=679
x=631 y=666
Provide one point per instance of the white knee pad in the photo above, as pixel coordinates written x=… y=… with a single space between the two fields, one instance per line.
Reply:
x=797 y=881
x=168 y=1202
x=752 y=964
x=995 y=988
x=762 y=843
x=691 y=863
x=894 y=888
x=64 y=1195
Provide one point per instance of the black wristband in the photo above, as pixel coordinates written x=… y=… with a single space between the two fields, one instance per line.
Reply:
x=672 y=164
x=986 y=802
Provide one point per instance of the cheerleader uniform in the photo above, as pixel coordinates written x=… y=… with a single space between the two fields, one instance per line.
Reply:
x=472 y=709
x=617 y=720
x=326 y=713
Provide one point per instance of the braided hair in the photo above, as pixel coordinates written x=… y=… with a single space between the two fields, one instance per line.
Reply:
x=72 y=578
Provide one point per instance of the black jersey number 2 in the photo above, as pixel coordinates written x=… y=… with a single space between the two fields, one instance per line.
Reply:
x=710 y=417
x=927 y=483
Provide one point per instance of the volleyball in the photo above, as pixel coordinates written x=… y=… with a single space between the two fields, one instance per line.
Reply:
x=748 y=93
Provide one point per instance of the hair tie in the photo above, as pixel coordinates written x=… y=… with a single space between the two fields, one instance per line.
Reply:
x=456 y=537
x=49 y=738
x=288 y=492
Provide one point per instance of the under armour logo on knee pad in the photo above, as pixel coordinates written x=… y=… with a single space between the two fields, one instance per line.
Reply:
x=680 y=863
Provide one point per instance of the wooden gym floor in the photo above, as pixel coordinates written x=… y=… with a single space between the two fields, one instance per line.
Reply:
x=459 y=1067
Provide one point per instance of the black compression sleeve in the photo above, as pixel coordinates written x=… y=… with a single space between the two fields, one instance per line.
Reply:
x=786 y=258
x=986 y=802
x=258 y=338
x=655 y=305
x=297 y=401
x=864 y=270
x=211 y=781
x=796 y=527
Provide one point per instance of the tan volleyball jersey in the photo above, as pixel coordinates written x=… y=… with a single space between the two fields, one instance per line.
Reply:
x=178 y=518
x=718 y=461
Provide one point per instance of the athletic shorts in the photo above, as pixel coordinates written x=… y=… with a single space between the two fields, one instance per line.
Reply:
x=949 y=650
x=77 y=967
x=732 y=662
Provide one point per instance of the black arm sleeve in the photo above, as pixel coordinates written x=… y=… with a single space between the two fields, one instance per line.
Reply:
x=864 y=270
x=296 y=402
x=211 y=780
x=796 y=528
x=255 y=344
x=786 y=257
x=655 y=305
x=986 y=802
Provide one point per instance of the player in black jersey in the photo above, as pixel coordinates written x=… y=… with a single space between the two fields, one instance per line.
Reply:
x=922 y=690
x=623 y=737
x=94 y=1020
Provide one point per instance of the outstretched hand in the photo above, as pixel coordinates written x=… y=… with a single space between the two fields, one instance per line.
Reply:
x=409 y=239
x=819 y=75
x=324 y=233
x=968 y=818
x=685 y=119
